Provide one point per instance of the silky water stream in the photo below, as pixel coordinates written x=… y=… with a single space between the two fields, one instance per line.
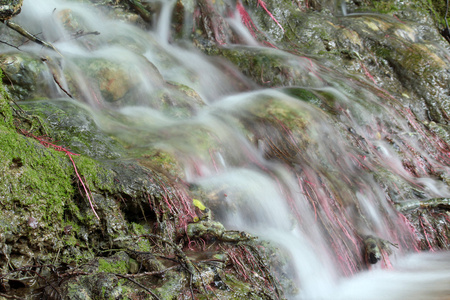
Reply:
x=315 y=180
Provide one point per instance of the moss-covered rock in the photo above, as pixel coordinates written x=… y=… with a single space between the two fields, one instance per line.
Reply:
x=48 y=217
x=72 y=125
x=36 y=190
x=25 y=75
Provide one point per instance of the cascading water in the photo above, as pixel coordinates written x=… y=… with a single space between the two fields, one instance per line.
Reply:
x=313 y=179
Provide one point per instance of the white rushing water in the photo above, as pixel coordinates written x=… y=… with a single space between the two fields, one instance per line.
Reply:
x=225 y=146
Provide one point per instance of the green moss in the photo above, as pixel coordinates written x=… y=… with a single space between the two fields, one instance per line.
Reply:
x=5 y=109
x=70 y=240
x=119 y=267
x=383 y=52
x=94 y=174
x=143 y=244
x=155 y=159
x=437 y=8
x=33 y=175
x=385 y=7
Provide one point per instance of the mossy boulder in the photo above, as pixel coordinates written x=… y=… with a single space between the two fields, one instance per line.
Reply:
x=25 y=75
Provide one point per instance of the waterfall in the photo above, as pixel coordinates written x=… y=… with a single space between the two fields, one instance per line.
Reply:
x=279 y=167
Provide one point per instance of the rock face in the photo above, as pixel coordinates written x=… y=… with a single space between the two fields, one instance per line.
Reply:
x=73 y=191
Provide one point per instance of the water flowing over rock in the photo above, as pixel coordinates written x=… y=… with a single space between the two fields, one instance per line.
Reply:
x=225 y=149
